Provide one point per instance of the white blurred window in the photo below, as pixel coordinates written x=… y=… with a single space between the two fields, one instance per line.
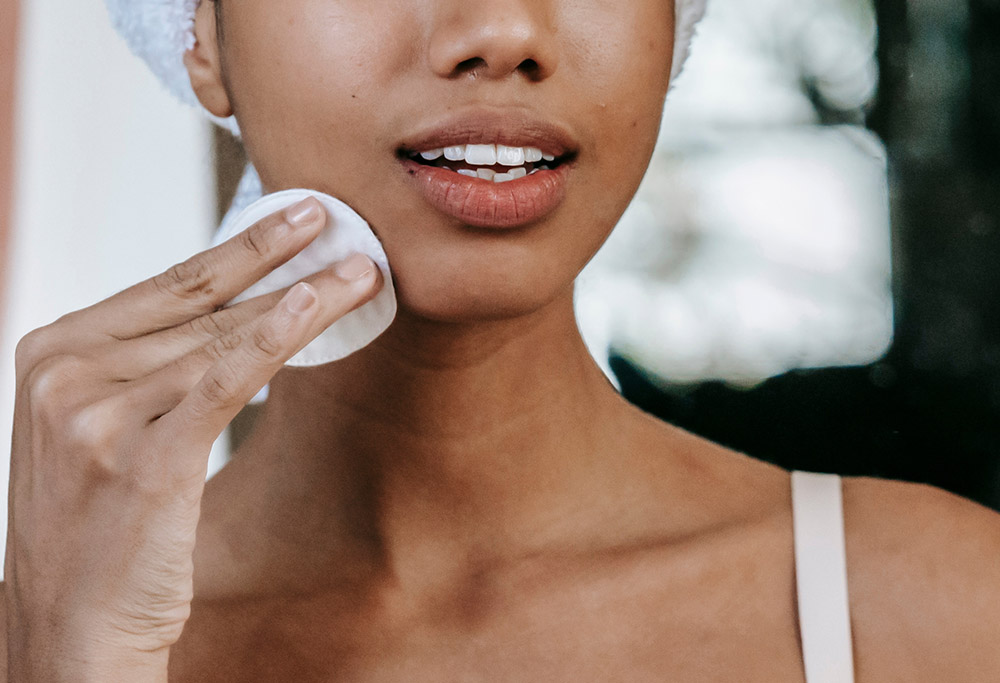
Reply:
x=759 y=240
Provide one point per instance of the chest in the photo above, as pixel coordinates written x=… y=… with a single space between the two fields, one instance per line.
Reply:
x=589 y=650
x=727 y=622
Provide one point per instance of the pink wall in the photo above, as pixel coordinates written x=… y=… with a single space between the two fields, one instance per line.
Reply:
x=8 y=66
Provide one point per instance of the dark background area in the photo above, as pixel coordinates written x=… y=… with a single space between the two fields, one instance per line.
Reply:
x=929 y=411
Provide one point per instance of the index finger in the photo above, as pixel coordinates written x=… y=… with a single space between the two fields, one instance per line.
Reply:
x=209 y=279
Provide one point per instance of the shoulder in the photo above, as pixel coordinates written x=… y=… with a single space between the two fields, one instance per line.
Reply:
x=924 y=582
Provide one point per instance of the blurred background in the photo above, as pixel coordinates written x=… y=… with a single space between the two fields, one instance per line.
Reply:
x=808 y=274
x=831 y=307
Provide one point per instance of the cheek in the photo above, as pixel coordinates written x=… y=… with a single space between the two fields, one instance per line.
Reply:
x=623 y=71
x=305 y=76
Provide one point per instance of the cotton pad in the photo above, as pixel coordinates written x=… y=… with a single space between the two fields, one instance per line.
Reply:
x=345 y=233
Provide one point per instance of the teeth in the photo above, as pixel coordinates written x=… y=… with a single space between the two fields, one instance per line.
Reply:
x=480 y=155
x=491 y=155
x=492 y=176
x=510 y=156
x=488 y=155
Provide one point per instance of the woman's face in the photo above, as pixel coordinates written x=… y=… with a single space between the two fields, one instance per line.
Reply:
x=339 y=95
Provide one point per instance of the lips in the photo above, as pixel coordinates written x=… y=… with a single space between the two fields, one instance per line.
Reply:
x=514 y=190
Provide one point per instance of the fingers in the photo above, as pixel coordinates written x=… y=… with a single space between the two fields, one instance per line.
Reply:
x=141 y=356
x=229 y=372
x=145 y=355
x=209 y=279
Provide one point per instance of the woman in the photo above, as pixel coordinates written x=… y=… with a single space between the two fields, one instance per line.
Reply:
x=466 y=498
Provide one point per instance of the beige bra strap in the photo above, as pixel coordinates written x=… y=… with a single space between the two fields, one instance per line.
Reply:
x=821 y=577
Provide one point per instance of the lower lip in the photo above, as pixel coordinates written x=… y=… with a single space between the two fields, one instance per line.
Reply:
x=485 y=204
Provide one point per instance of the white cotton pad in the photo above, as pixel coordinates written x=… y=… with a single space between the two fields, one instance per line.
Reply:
x=345 y=233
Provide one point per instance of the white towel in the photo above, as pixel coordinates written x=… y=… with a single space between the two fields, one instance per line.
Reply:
x=160 y=32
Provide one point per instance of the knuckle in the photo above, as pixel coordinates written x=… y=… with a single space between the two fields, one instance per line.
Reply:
x=71 y=319
x=96 y=428
x=188 y=280
x=90 y=440
x=267 y=343
x=31 y=348
x=224 y=345
x=211 y=325
x=219 y=388
x=51 y=384
x=255 y=240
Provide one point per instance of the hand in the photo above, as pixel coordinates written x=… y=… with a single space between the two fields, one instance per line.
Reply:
x=116 y=411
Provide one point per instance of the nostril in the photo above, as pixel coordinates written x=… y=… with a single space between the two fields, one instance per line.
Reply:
x=531 y=69
x=470 y=65
x=477 y=65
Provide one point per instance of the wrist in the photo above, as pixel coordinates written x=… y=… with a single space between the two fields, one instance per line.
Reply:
x=121 y=667
x=59 y=665
x=67 y=647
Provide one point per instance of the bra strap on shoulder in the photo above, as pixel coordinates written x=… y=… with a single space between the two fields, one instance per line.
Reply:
x=821 y=577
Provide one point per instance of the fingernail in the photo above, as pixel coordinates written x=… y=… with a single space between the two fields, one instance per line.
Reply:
x=303 y=213
x=354 y=267
x=300 y=298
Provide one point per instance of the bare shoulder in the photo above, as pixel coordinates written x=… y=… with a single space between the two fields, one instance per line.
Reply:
x=924 y=582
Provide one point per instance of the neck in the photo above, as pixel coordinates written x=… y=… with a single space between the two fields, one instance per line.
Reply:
x=437 y=447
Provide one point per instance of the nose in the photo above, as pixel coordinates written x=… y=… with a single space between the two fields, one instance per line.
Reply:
x=493 y=39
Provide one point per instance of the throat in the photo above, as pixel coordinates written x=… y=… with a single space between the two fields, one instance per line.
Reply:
x=417 y=458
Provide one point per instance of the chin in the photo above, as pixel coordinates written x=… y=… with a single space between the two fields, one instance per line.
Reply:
x=466 y=293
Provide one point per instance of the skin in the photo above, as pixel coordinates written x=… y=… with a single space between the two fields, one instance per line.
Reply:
x=467 y=498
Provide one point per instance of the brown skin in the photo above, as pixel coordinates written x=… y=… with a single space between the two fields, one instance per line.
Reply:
x=468 y=498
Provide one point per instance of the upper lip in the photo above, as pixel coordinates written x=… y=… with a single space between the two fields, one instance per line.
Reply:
x=513 y=128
